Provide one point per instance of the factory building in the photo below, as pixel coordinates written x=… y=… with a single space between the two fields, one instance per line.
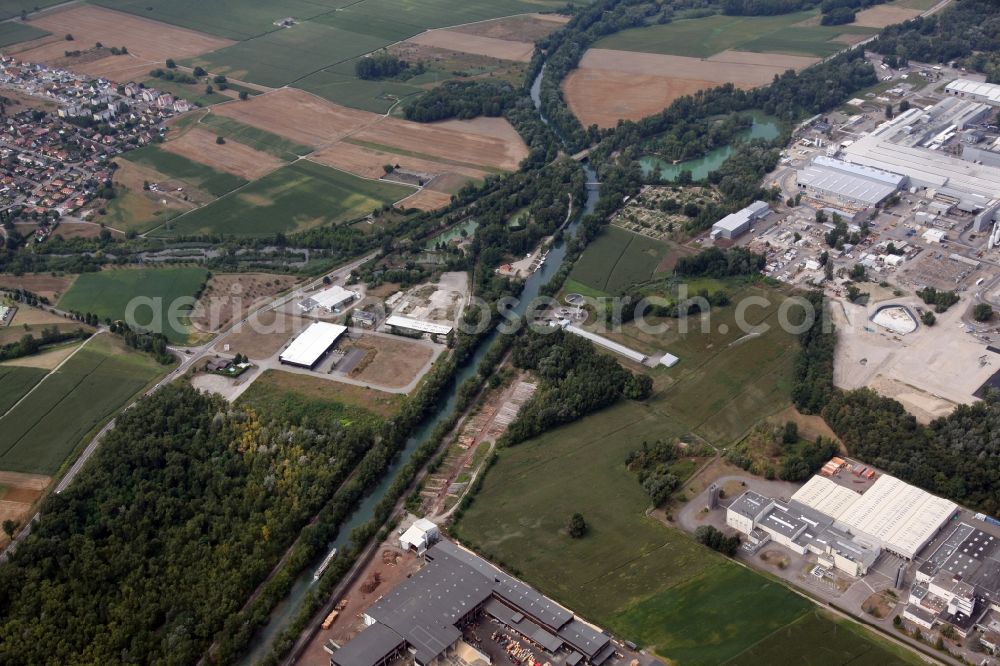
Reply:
x=892 y=514
x=312 y=344
x=988 y=93
x=736 y=224
x=853 y=186
x=800 y=529
x=417 y=325
x=330 y=300
x=911 y=145
x=422 y=618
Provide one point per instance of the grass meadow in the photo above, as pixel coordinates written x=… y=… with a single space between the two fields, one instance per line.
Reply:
x=108 y=293
x=40 y=433
x=296 y=197
x=704 y=37
x=177 y=166
x=256 y=138
x=14 y=33
x=12 y=8
x=15 y=382
x=616 y=259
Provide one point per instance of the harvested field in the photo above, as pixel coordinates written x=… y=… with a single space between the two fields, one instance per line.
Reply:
x=486 y=142
x=368 y=162
x=47 y=360
x=148 y=41
x=141 y=210
x=448 y=184
x=69 y=230
x=426 y=199
x=524 y=28
x=45 y=285
x=880 y=16
x=298 y=115
x=230 y=296
x=610 y=85
x=263 y=335
x=233 y=157
x=18 y=492
x=395 y=361
x=35 y=316
x=503 y=49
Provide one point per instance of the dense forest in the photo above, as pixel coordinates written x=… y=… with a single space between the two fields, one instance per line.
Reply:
x=463 y=100
x=184 y=509
x=576 y=380
x=967 y=31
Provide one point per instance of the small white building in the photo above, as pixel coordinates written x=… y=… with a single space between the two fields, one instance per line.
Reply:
x=420 y=536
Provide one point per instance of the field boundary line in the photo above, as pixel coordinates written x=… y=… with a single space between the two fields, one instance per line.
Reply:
x=50 y=373
x=806 y=613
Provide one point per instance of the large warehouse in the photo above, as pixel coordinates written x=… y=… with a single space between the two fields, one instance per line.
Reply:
x=892 y=514
x=331 y=299
x=988 y=93
x=422 y=618
x=312 y=344
x=853 y=186
x=736 y=224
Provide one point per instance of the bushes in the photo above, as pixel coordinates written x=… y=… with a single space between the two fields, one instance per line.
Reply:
x=716 y=540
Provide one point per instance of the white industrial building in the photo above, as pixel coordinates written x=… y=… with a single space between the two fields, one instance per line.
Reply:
x=610 y=345
x=420 y=536
x=892 y=514
x=331 y=299
x=396 y=321
x=988 y=93
x=312 y=344
x=736 y=224
x=854 y=186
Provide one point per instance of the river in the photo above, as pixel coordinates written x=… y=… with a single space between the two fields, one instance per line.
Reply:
x=287 y=609
x=764 y=127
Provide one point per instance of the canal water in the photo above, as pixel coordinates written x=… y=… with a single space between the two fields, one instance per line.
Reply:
x=764 y=127
x=285 y=611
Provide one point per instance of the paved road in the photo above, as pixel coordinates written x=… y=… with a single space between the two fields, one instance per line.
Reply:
x=187 y=357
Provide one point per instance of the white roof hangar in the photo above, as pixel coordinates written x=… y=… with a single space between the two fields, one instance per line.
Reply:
x=983 y=92
x=849 y=183
x=312 y=344
x=418 y=325
x=330 y=299
x=901 y=518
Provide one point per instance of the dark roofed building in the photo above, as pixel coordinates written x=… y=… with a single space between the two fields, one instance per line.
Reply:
x=425 y=614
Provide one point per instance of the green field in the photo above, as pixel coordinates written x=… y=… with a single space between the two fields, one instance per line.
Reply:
x=15 y=382
x=618 y=258
x=13 y=33
x=108 y=293
x=704 y=37
x=12 y=8
x=348 y=90
x=198 y=175
x=256 y=138
x=192 y=92
x=296 y=197
x=38 y=434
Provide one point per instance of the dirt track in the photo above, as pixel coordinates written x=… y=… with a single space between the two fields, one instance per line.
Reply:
x=481 y=45
x=232 y=157
x=609 y=84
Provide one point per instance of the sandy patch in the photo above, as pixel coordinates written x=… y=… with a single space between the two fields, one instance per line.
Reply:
x=391 y=362
x=609 y=84
x=503 y=49
x=487 y=142
x=232 y=157
x=49 y=286
x=524 y=28
x=368 y=162
x=297 y=115
x=229 y=296
x=146 y=40
x=263 y=335
x=880 y=16
x=46 y=360
x=426 y=200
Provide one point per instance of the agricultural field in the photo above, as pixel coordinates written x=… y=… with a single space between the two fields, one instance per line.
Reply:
x=296 y=197
x=618 y=258
x=14 y=33
x=139 y=210
x=172 y=165
x=259 y=139
x=237 y=159
x=12 y=8
x=108 y=294
x=15 y=382
x=39 y=433
x=231 y=296
x=637 y=72
x=44 y=285
x=703 y=37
